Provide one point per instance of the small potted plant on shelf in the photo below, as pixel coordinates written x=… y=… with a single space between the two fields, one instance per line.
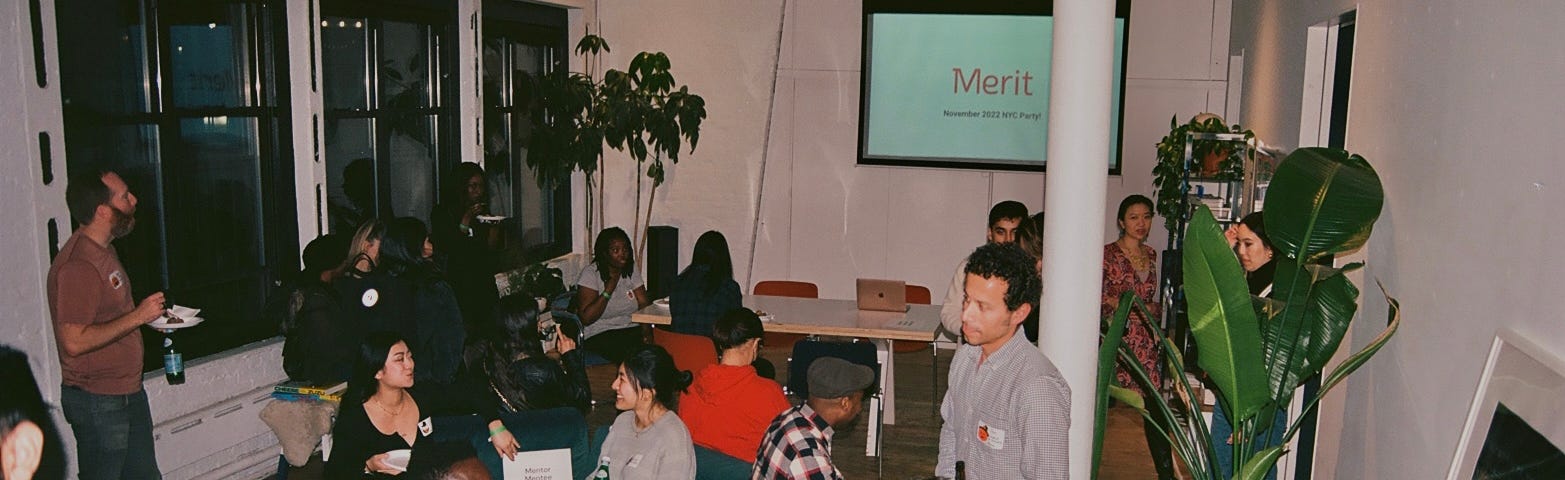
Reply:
x=1212 y=159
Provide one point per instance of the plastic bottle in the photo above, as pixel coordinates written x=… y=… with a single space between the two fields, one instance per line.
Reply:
x=961 y=470
x=173 y=362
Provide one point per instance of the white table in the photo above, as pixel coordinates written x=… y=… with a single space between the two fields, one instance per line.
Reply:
x=816 y=316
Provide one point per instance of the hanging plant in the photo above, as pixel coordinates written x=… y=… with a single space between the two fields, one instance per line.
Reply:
x=1211 y=159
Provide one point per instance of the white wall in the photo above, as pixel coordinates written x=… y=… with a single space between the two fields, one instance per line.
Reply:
x=1458 y=106
x=824 y=219
x=28 y=202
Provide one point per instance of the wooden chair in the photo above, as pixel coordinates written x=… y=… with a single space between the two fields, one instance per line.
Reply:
x=690 y=352
x=785 y=288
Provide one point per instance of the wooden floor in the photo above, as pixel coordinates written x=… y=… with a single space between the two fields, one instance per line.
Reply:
x=912 y=445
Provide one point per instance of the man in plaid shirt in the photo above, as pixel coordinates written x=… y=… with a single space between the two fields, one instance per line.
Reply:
x=798 y=443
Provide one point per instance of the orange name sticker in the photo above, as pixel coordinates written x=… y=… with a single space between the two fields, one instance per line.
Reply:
x=983 y=433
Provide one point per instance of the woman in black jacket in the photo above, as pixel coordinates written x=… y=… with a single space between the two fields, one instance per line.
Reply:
x=510 y=362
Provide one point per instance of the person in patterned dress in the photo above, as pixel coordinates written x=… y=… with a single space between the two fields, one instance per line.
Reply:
x=1129 y=265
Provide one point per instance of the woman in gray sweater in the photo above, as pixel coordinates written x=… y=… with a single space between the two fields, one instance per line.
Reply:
x=647 y=440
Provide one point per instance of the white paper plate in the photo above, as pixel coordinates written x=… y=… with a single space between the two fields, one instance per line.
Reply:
x=766 y=318
x=661 y=302
x=398 y=459
x=161 y=323
x=489 y=218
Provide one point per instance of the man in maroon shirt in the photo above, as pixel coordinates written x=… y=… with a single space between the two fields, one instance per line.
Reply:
x=97 y=327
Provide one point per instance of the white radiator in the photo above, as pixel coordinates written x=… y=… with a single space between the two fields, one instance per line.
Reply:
x=224 y=440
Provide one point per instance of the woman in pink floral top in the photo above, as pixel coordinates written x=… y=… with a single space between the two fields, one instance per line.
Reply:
x=1130 y=265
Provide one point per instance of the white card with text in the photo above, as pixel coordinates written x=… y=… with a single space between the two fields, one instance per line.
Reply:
x=539 y=465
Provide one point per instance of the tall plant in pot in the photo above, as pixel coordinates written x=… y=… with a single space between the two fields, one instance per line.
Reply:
x=1255 y=352
x=1211 y=159
x=641 y=111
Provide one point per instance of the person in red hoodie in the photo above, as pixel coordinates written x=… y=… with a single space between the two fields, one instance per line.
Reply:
x=728 y=407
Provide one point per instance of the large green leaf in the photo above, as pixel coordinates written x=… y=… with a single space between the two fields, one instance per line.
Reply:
x=1316 y=315
x=1222 y=318
x=1353 y=362
x=1108 y=351
x=1321 y=201
x=1257 y=467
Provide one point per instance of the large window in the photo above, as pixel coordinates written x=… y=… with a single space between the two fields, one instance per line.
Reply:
x=521 y=43
x=389 y=88
x=183 y=97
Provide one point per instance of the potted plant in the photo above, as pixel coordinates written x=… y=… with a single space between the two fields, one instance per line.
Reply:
x=1214 y=159
x=1255 y=352
x=641 y=111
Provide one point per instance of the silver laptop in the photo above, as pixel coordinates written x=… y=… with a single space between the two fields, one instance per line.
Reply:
x=882 y=295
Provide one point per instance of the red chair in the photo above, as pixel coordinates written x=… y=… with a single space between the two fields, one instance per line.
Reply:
x=785 y=288
x=916 y=295
x=690 y=352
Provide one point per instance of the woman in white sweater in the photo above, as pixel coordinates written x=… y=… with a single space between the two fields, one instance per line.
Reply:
x=647 y=440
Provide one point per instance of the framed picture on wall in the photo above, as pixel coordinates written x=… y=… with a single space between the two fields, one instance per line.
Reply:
x=1513 y=428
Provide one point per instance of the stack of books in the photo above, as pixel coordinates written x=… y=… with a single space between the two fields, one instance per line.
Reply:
x=305 y=391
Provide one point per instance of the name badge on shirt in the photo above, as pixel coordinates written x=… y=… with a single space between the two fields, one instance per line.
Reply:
x=634 y=461
x=426 y=427
x=117 y=279
x=993 y=437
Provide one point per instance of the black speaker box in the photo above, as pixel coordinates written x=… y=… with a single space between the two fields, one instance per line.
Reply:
x=662 y=260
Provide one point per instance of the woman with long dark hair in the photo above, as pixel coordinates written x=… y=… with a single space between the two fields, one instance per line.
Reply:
x=510 y=361
x=440 y=329
x=607 y=293
x=467 y=246
x=705 y=290
x=384 y=412
x=647 y=440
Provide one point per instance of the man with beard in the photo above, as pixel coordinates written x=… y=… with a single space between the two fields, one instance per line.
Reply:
x=97 y=328
x=797 y=445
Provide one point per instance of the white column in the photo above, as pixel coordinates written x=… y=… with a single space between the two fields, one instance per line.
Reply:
x=1074 y=197
x=469 y=66
x=308 y=119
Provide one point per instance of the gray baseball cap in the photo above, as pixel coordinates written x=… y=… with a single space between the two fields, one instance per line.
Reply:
x=832 y=377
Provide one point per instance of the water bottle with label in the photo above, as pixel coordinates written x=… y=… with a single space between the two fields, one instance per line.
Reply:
x=603 y=469
x=173 y=361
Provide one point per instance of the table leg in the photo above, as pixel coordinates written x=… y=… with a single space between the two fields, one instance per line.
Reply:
x=887 y=395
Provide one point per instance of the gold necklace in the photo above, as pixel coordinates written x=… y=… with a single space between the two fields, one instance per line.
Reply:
x=387 y=410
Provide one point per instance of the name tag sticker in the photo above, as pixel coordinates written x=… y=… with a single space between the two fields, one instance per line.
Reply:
x=426 y=427
x=634 y=461
x=117 y=279
x=370 y=298
x=993 y=437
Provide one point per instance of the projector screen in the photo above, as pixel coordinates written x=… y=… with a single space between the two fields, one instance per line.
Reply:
x=965 y=85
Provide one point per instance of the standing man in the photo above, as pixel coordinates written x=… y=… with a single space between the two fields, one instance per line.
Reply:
x=797 y=446
x=1005 y=218
x=97 y=327
x=1007 y=411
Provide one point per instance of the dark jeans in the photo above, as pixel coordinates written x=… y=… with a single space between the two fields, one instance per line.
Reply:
x=113 y=434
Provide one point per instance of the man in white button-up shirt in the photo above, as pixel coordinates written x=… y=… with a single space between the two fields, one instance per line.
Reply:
x=1007 y=410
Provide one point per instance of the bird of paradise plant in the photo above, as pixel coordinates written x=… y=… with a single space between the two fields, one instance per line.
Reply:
x=1255 y=352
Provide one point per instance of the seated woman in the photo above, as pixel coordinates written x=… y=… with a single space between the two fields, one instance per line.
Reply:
x=729 y=406
x=607 y=293
x=317 y=347
x=382 y=412
x=706 y=289
x=436 y=315
x=510 y=362
x=648 y=441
